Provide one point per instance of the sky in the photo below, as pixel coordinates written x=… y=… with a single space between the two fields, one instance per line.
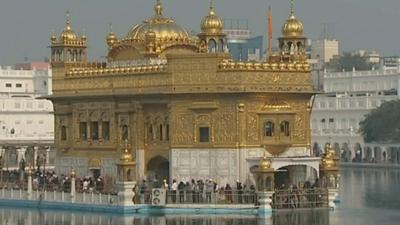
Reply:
x=26 y=25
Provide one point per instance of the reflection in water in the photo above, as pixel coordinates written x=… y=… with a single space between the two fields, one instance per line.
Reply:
x=307 y=217
x=34 y=217
x=368 y=197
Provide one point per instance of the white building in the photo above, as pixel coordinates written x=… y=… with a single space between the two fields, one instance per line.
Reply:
x=349 y=97
x=324 y=50
x=26 y=123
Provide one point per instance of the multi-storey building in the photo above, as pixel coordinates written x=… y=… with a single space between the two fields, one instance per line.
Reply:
x=26 y=123
x=324 y=50
x=240 y=43
x=348 y=97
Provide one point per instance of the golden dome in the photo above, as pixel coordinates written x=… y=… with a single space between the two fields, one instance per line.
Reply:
x=126 y=156
x=265 y=164
x=292 y=27
x=53 y=38
x=163 y=28
x=328 y=163
x=212 y=24
x=68 y=34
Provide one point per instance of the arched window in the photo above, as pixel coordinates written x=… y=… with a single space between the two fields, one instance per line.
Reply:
x=212 y=45
x=124 y=132
x=63 y=133
x=268 y=129
x=150 y=129
x=221 y=45
x=161 y=132
x=129 y=175
x=167 y=132
x=285 y=128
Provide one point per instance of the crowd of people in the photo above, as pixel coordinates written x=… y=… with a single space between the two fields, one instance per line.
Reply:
x=200 y=191
x=308 y=196
x=50 y=181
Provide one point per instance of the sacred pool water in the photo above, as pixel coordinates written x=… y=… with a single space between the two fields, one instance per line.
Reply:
x=368 y=197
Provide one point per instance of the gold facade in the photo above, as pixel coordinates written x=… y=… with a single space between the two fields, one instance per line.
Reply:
x=162 y=89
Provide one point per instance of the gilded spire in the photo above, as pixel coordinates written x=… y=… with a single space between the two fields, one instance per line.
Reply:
x=212 y=12
x=292 y=7
x=158 y=8
x=68 y=21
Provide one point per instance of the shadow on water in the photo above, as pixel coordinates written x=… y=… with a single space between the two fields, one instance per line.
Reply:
x=10 y=216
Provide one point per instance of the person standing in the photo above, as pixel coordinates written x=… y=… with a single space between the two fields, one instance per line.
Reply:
x=174 y=188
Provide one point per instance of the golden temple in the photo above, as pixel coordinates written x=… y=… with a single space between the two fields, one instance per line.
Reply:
x=184 y=106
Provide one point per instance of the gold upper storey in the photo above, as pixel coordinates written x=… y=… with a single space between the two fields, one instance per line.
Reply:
x=158 y=51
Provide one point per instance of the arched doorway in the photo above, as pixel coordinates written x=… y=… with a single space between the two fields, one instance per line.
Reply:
x=157 y=170
x=295 y=175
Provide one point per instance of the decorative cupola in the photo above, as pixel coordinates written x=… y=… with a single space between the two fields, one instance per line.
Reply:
x=68 y=47
x=111 y=39
x=292 y=43
x=212 y=34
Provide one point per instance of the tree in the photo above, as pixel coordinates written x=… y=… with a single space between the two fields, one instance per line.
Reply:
x=382 y=124
x=348 y=61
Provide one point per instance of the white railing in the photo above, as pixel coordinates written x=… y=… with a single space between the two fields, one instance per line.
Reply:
x=56 y=196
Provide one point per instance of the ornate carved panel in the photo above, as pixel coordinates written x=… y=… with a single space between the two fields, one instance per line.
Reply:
x=183 y=129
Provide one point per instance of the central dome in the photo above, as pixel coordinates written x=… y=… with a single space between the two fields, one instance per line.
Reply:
x=163 y=28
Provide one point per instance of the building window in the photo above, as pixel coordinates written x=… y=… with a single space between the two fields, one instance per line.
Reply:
x=150 y=136
x=41 y=105
x=17 y=105
x=167 y=132
x=204 y=134
x=29 y=105
x=18 y=85
x=161 y=132
x=29 y=122
x=41 y=122
x=285 y=128
x=63 y=133
x=124 y=132
x=83 y=130
x=105 y=130
x=268 y=129
x=94 y=129
x=8 y=85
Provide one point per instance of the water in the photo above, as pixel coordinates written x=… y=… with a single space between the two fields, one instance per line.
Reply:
x=368 y=197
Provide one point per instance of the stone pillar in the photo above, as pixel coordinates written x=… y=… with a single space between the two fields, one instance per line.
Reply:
x=139 y=142
x=48 y=155
x=29 y=191
x=35 y=151
x=72 y=176
x=126 y=179
x=20 y=154
x=264 y=178
x=330 y=176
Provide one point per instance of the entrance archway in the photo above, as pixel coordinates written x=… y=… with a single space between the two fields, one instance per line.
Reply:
x=158 y=169
x=297 y=175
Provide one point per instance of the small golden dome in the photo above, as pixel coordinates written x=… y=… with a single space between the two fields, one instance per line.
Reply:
x=292 y=27
x=328 y=163
x=212 y=24
x=111 y=39
x=53 y=38
x=68 y=34
x=126 y=156
x=163 y=28
x=265 y=163
x=72 y=173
